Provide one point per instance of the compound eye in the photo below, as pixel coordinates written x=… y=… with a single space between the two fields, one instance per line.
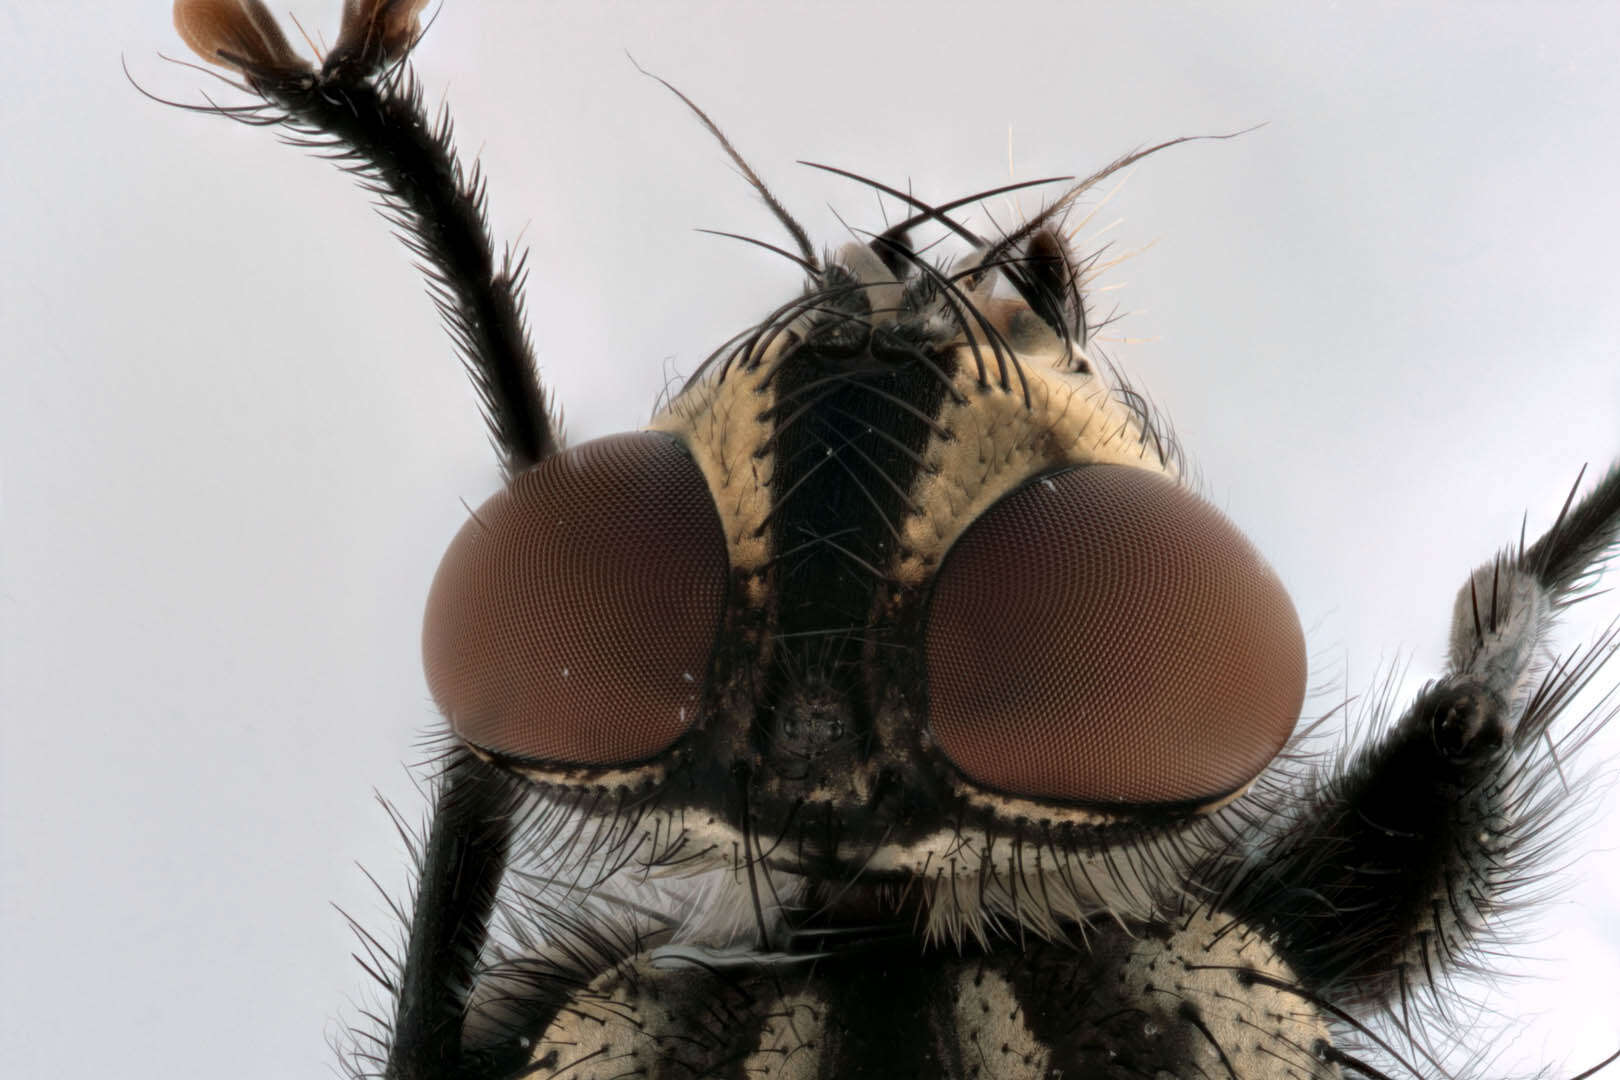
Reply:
x=1105 y=636
x=573 y=617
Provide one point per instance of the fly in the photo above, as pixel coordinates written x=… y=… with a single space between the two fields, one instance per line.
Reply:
x=891 y=705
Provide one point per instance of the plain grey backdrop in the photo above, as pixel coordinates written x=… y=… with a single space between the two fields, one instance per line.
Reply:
x=235 y=440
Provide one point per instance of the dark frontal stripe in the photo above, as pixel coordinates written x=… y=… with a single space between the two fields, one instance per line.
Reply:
x=851 y=420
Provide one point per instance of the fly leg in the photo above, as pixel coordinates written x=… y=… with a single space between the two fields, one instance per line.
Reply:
x=362 y=108
x=1401 y=861
x=460 y=869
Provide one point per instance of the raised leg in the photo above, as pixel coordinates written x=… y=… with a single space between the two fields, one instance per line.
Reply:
x=1397 y=866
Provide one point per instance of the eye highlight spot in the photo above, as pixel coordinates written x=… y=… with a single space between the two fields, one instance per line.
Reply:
x=570 y=614
x=1103 y=635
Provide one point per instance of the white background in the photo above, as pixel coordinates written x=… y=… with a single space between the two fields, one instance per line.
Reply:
x=235 y=440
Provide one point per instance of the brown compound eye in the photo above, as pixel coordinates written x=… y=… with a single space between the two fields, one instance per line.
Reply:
x=1106 y=636
x=573 y=617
